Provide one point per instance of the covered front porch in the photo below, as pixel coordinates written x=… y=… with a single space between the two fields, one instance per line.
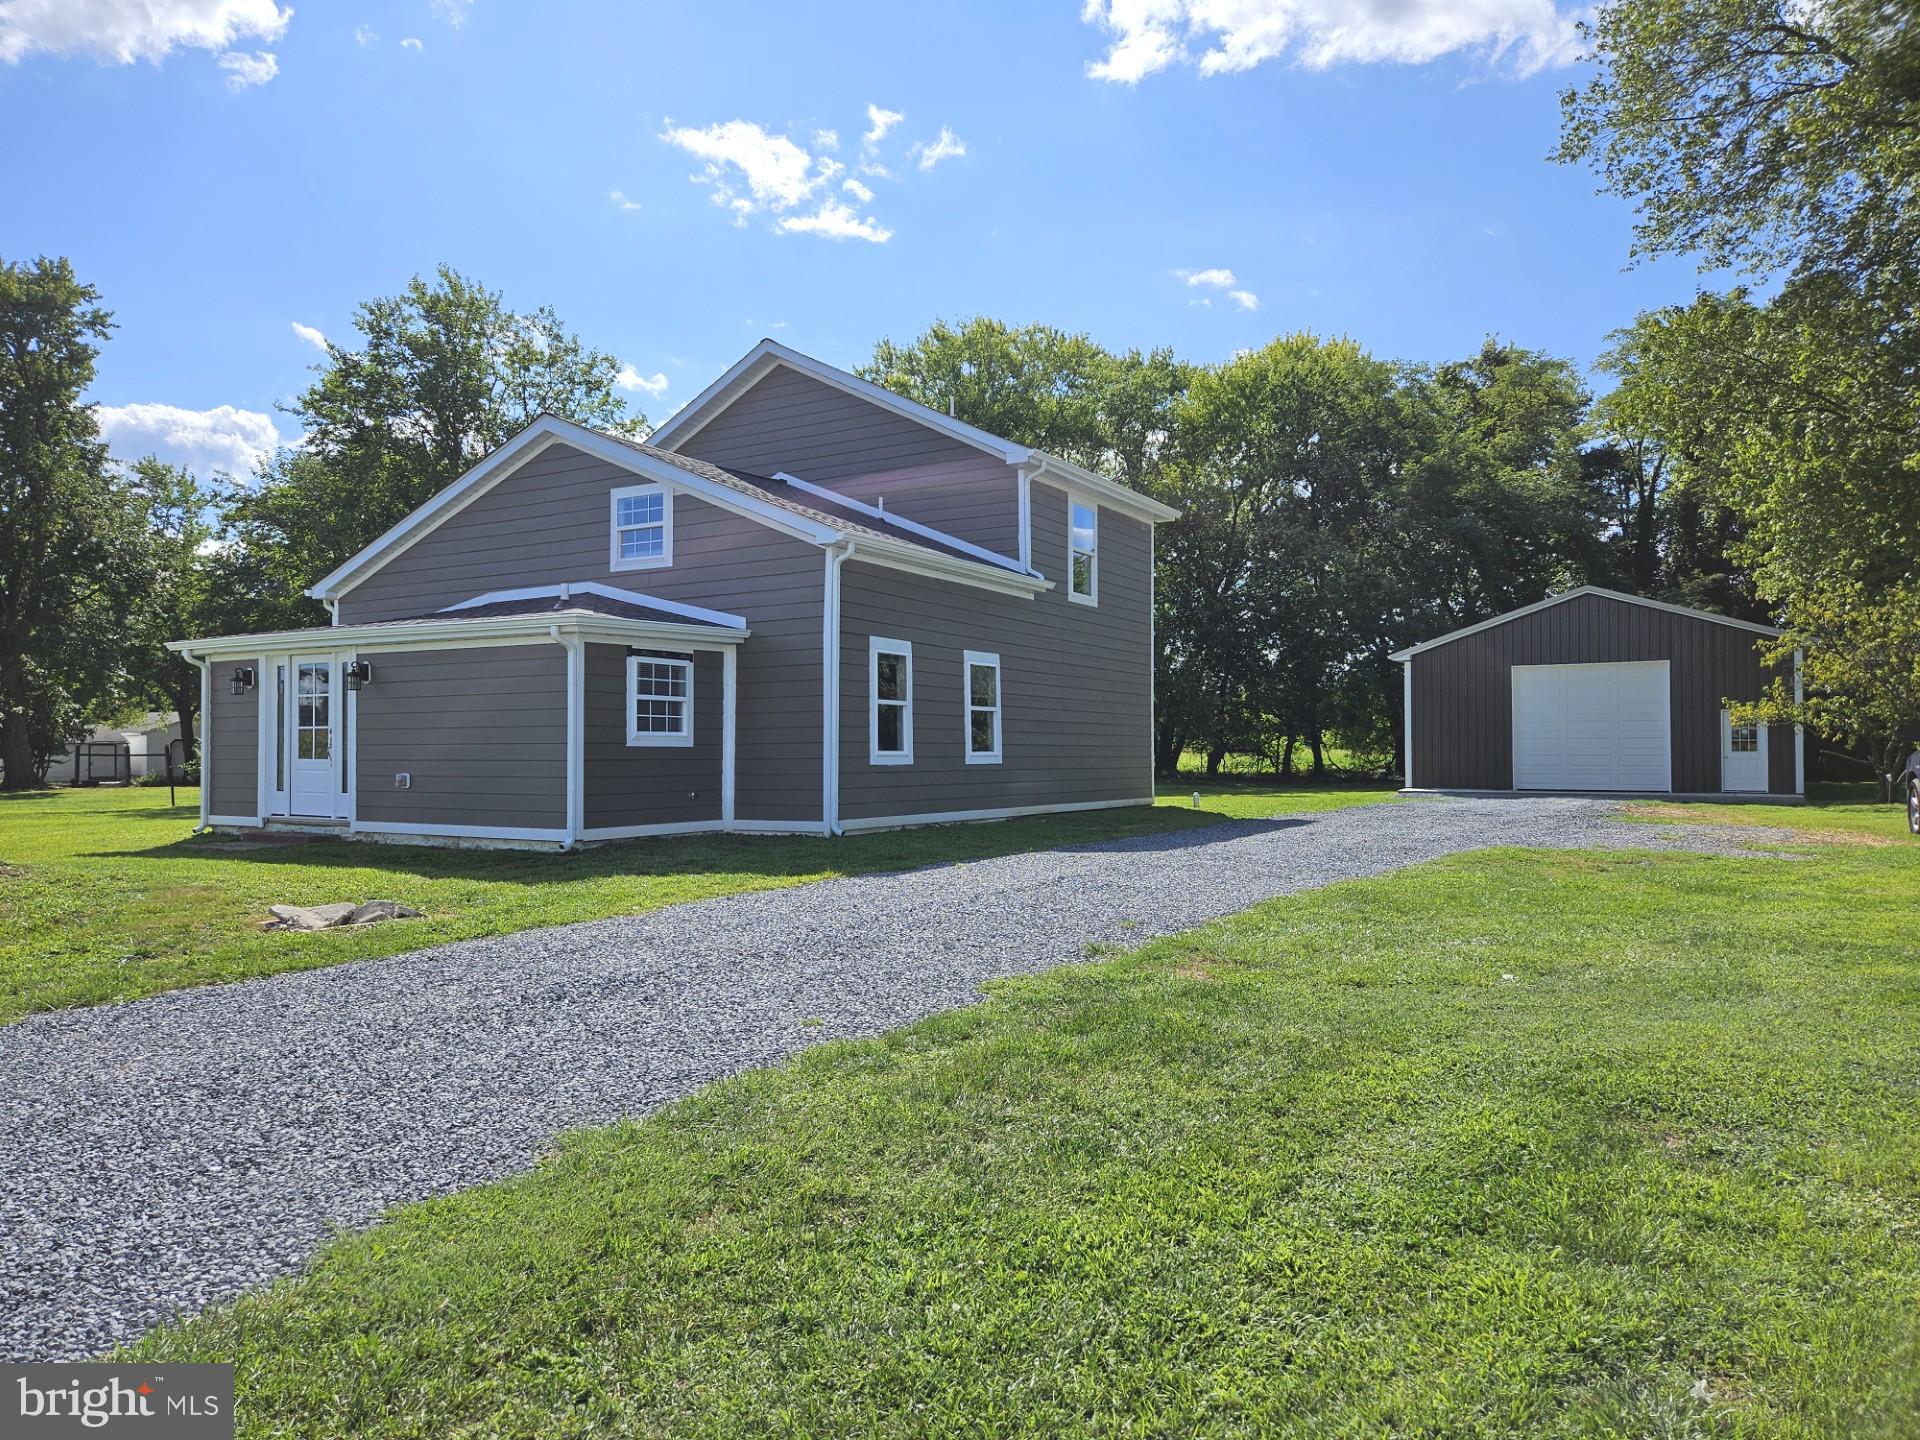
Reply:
x=550 y=717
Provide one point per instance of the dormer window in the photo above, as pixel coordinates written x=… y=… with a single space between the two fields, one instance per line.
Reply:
x=1083 y=551
x=642 y=528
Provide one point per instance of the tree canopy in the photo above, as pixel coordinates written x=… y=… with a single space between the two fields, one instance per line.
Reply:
x=445 y=373
x=1783 y=138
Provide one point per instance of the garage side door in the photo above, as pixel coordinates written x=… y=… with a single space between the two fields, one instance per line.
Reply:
x=1592 y=727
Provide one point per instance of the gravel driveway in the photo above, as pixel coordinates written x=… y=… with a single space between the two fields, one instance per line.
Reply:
x=158 y=1156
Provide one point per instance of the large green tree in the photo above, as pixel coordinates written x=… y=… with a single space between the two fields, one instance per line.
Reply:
x=181 y=595
x=69 y=559
x=1784 y=138
x=1056 y=391
x=445 y=372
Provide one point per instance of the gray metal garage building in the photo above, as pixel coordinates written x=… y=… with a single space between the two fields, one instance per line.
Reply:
x=1594 y=690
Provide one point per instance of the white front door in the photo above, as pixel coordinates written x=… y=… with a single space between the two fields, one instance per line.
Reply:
x=313 y=776
x=1592 y=727
x=1743 y=756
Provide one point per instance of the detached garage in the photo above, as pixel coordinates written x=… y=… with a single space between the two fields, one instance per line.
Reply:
x=1594 y=690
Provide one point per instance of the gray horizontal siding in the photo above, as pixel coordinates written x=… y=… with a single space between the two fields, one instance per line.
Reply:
x=650 y=785
x=1075 y=682
x=483 y=733
x=233 y=743
x=792 y=423
x=1463 y=690
x=548 y=522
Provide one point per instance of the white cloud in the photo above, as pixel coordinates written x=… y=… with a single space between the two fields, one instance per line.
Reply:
x=751 y=170
x=946 y=146
x=856 y=190
x=412 y=42
x=124 y=31
x=826 y=139
x=777 y=171
x=621 y=202
x=1218 y=278
x=312 y=336
x=881 y=121
x=631 y=379
x=454 y=12
x=223 y=438
x=1147 y=36
x=246 y=71
x=365 y=35
x=1245 y=299
x=836 y=221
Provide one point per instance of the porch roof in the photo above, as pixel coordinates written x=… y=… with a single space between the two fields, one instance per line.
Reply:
x=504 y=622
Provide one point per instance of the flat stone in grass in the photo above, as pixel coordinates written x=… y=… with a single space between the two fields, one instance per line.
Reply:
x=337 y=913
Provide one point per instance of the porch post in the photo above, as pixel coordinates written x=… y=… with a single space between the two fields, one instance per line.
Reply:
x=729 y=672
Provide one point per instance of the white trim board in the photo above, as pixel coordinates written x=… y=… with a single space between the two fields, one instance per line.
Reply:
x=567 y=589
x=473 y=630
x=747 y=371
x=1575 y=594
x=957 y=817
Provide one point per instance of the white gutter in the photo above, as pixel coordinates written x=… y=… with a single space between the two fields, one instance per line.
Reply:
x=426 y=634
x=576 y=748
x=205 y=667
x=837 y=555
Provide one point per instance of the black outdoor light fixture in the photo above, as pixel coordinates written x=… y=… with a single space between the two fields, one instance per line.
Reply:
x=242 y=679
x=359 y=673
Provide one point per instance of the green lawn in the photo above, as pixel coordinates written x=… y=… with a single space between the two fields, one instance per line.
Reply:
x=1515 y=1144
x=104 y=897
x=1854 y=809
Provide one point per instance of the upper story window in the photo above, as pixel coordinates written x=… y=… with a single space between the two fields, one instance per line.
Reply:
x=659 y=700
x=642 y=528
x=1083 y=551
x=890 y=701
x=983 y=707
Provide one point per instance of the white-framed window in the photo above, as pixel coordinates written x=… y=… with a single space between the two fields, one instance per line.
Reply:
x=642 y=525
x=1083 y=551
x=1744 y=739
x=659 y=700
x=889 y=701
x=981 y=674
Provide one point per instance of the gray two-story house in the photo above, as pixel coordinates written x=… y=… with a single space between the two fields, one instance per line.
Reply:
x=805 y=605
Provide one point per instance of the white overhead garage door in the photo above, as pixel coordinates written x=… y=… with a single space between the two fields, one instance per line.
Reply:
x=1592 y=727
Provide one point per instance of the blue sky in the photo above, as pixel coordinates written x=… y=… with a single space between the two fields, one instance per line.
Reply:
x=679 y=179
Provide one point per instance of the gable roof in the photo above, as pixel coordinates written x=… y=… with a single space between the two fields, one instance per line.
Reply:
x=741 y=377
x=776 y=505
x=1575 y=594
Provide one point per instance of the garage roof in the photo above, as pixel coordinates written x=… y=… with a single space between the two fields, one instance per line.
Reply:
x=1562 y=598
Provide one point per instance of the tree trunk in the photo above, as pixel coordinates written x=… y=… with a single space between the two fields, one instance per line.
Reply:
x=1286 y=759
x=1215 y=754
x=1318 y=742
x=1166 y=756
x=16 y=753
x=186 y=700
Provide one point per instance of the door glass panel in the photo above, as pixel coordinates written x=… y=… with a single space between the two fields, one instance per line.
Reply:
x=315 y=740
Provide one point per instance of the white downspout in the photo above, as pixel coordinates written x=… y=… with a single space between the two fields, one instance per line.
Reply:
x=1026 y=516
x=576 y=750
x=837 y=555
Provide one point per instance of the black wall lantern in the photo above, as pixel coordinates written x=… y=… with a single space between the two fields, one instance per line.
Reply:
x=359 y=673
x=242 y=679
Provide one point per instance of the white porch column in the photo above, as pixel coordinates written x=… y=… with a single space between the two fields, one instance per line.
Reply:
x=729 y=672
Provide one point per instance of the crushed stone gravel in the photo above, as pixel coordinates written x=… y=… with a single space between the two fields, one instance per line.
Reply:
x=161 y=1156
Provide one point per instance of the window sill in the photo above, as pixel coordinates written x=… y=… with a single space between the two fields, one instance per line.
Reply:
x=983 y=759
x=1093 y=599
x=659 y=742
x=875 y=758
x=664 y=562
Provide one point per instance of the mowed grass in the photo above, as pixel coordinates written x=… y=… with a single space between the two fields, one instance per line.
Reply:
x=1509 y=1144
x=1833 y=814
x=104 y=895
